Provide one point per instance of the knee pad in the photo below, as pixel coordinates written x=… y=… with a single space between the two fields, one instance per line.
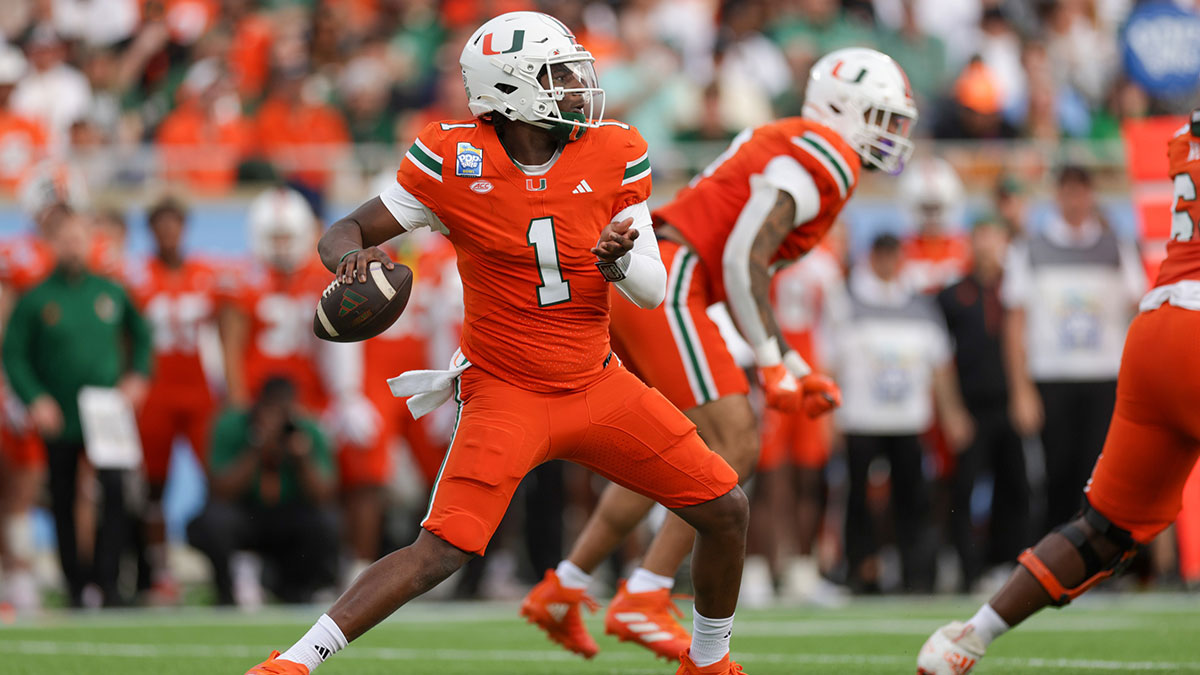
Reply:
x=1095 y=569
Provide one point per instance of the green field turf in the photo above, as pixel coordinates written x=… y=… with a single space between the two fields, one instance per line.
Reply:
x=1102 y=634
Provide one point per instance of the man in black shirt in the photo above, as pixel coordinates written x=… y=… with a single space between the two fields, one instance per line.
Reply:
x=974 y=318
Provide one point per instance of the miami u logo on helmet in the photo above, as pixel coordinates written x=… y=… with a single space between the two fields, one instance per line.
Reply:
x=518 y=41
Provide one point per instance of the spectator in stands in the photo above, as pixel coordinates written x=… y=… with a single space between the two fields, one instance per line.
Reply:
x=975 y=318
x=891 y=356
x=22 y=137
x=923 y=56
x=54 y=93
x=1070 y=291
x=974 y=110
x=1009 y=200
x=205 y=137
x=301 y=135
x=72 y=331
x=270 y=491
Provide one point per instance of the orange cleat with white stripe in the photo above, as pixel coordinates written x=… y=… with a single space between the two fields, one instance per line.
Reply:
x=275 y=666
x=555 y=609
x=723 y=667
x=649 y=619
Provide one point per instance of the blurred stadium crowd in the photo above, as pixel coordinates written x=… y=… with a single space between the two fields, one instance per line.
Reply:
x=963 y=433
x=229 y=90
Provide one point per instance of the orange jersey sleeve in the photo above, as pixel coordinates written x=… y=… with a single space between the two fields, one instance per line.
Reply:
x=707 y=210
x=1183 y=249
x=536 y=307
x=177 y=303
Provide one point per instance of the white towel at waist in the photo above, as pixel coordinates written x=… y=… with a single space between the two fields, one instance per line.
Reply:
x=428 y=389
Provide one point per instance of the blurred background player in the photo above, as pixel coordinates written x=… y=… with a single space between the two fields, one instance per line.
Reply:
x=936 y=255
x=77 y=329
x=177 y=294
x=975 y=319
x=891 y=355
x=272 y=488
x=770 y=197
x=1153 y=442
x=787 y=505
x=1069 y=291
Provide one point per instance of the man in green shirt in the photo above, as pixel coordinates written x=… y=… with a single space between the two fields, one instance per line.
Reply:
x=74 y=330
x=271 y=488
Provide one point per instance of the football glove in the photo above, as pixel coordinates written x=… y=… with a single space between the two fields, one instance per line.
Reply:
x=815 y=394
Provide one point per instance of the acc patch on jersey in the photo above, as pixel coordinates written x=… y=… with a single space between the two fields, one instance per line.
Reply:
x=469 y=161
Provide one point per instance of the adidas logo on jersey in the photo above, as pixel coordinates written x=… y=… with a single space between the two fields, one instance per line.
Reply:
x=581 y=188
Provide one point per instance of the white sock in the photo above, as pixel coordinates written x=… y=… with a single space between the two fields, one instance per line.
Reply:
x=321 y=641
x=987 y=624
x=643 y=581
x=710 y=639
x=571 y=575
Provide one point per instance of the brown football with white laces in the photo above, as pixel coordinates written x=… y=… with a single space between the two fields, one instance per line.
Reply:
x=362 y=310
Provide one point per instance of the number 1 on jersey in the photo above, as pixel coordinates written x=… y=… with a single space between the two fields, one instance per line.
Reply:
x=554 y=288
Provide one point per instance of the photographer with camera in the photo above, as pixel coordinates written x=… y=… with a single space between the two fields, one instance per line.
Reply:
x=271 y=493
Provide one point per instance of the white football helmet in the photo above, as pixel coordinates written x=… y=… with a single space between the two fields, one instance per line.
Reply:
x=932 y=190
x=503 y=65
x=864 y=95
x=282 y=229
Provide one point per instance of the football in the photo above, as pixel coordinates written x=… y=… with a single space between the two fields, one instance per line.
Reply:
x=358 y=311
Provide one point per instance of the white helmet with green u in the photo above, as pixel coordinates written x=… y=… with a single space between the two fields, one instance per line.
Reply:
x=521 y=64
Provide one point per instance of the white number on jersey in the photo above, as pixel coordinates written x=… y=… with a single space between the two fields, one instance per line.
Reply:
x=554 y=288
x=287 y=325
x=1182 y=224
x=176 y=320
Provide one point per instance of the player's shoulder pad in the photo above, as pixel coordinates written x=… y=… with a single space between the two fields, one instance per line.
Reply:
x=624 y=142
x=830 y=151
x=434 y=143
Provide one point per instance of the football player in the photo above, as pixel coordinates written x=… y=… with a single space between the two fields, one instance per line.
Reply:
x=796 y=447
x=544 y=203
x=1153 y=443
x=935 y=256
x=177 y=295
x=766 y=201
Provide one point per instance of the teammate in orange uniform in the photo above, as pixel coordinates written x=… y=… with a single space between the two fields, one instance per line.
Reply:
x=545 y=205
x=766 y=201
x=934 y=257
x=266 y=326
x=1152 y=446
x=177 y=295
x=795 y=447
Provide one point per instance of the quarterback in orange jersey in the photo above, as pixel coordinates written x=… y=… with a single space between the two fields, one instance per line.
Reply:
x=1153 y=443
x=764 y=202
x=177 y=295
x=544 y=203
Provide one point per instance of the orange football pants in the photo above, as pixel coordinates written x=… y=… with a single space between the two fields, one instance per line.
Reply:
x=1154 y=437
x=675 y=347
x=616 y=426
x=167 y=415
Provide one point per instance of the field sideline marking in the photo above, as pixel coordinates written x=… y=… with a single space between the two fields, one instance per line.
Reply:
x=58 y=648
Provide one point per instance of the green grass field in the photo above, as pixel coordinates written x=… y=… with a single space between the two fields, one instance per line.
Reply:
x=1102 y=634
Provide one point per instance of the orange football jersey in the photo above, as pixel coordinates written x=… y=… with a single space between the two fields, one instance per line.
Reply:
x=706 y=211
x=176 y=302
x=536 y=307
x=281 y=342
x=1183 y=250
x=932 y=263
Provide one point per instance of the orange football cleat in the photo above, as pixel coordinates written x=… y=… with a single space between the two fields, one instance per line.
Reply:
x=649 y=619
x=555 y=609
x=723 y=667
x=273 y=666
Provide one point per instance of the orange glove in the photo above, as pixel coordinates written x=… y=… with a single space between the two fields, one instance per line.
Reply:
x=814 y=394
